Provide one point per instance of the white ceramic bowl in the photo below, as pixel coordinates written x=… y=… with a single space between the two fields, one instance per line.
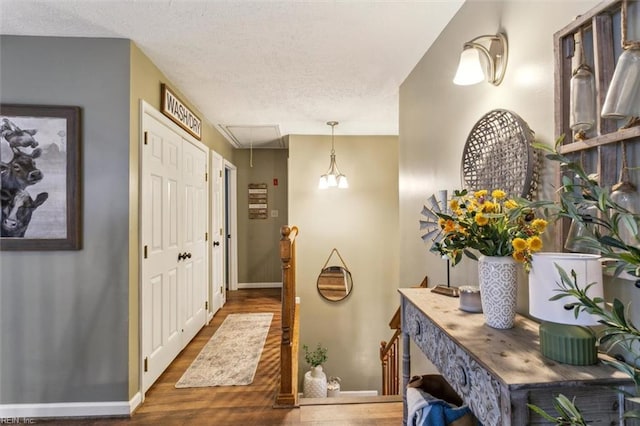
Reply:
x=470 y=298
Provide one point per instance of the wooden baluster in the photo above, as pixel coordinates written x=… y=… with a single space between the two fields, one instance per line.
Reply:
x=287 y=395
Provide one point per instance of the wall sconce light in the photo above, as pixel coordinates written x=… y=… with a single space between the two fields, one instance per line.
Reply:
x=472 y=70
x=333 y=178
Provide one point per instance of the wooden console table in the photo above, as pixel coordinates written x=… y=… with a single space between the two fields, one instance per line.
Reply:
x=497 y=372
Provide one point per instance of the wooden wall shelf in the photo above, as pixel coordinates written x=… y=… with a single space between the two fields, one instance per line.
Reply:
x=609 y=138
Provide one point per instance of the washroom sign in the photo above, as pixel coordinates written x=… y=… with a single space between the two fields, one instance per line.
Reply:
x=179 y=113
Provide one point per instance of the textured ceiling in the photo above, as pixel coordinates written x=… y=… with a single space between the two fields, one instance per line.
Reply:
x=283 y=67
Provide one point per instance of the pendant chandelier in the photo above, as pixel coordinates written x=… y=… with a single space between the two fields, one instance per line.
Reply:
x=333 y=178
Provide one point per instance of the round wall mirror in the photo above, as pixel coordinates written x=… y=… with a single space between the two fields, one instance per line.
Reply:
x=334 y=283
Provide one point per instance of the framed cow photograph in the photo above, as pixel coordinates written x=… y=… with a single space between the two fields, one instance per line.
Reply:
x=40 y=171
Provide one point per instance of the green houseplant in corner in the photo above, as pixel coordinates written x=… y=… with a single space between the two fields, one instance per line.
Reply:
x=604 y=235
x=316 y=357
x=315 y=380
x=618 y=330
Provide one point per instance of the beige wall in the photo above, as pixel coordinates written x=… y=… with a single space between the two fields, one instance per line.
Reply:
x=436 y=117
x=258 y=250
x=362 y=223
x=145 y=84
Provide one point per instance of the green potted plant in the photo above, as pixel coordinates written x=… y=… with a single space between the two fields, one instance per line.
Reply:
x=315 y=358
x=579 y=194
x=315 y=380
x=504 y=231
x=604 y=236
x=618 y=330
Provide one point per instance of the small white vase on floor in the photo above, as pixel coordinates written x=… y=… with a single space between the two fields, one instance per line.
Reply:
x=315 y=383
x=498 y=277
x=333 y=387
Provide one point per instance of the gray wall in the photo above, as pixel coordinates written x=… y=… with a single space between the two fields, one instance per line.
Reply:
x=64 y=314
x=258 y=250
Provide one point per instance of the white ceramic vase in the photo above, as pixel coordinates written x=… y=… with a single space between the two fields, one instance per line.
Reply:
x=315 y=383
x=333 y=387
x=498 y=277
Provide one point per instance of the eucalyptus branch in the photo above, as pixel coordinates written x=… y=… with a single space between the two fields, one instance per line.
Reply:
x=581 y=194
x=569 y=414
x=619 y=329
x=578 y=196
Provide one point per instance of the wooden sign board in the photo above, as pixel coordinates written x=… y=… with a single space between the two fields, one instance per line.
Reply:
x=258 y=201
x=179 y=113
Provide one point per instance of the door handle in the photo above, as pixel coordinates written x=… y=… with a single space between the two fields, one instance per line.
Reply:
x=216 y=243
x=183 y=256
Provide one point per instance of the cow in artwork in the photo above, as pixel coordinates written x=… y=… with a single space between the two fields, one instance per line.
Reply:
x=21 y=171
x=16 y=136
x=17 y=209
x=17 y=205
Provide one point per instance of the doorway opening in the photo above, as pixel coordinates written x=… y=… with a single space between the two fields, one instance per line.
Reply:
x=231 y=226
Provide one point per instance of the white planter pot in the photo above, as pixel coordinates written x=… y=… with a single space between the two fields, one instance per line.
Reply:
x=315 y=383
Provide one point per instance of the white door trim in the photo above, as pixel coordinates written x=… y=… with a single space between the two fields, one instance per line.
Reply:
x=232 y=209
x=218 y=238
x=146 y=108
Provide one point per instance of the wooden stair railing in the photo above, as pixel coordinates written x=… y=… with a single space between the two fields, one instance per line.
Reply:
x=389 y=357
x=288 y=392
x=390 y=365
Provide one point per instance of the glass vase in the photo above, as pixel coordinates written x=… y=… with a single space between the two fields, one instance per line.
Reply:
x=627 y=197
x=582 y=103
x=623 y=96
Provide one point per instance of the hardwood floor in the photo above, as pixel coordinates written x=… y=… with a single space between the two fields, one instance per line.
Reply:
x=240 y=405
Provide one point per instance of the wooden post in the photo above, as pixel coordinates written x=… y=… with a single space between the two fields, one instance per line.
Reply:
x=287 y=394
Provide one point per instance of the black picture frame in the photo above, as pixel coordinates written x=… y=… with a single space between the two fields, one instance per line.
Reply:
x=40 y=166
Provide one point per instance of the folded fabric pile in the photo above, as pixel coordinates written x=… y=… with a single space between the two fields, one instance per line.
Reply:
x=425 y=410
x=432 y=402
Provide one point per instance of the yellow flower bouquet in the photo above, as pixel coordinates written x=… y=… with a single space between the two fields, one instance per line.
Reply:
x=491 y=223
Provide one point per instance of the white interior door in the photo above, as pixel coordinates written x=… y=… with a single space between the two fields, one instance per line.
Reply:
x=217 y=232
x=194 y=245
x=174 y=260
x=160 y=281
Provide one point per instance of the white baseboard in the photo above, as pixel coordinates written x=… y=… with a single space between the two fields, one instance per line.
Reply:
x=351 y=393
x=23 y=413
x=259 y=285
x=134 y=402
x=66 y=409
x=359 y=393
